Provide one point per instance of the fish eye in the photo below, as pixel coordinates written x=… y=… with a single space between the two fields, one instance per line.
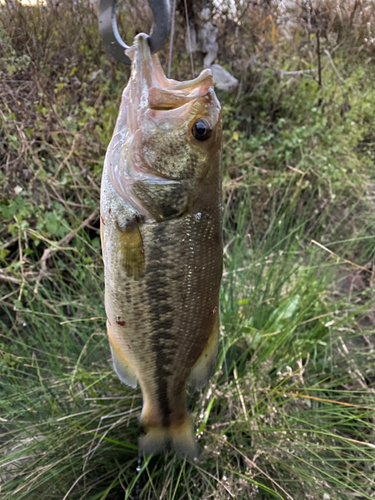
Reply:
x=201 y=130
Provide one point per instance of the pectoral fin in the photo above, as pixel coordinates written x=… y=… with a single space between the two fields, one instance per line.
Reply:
x=131 y=249
x=205 y=365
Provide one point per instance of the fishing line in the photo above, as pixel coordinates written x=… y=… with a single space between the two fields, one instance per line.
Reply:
x=189 y=39
x=171 y=40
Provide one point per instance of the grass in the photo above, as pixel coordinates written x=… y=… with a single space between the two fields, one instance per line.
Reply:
x=289 y=411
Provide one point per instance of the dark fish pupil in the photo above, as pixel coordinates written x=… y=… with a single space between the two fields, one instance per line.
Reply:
x=201 y=130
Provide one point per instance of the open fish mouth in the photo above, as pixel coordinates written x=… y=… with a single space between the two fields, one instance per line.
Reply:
x=152 y=89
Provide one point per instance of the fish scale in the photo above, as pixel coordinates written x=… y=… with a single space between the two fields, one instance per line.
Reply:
x=162 y=246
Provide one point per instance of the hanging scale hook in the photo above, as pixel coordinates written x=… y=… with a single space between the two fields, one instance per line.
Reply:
x=112 y=39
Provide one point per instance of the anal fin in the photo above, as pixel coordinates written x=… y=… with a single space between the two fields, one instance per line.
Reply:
x=205 y=365
x=121 y=365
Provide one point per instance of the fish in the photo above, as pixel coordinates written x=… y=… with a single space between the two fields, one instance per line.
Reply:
x=161 y=235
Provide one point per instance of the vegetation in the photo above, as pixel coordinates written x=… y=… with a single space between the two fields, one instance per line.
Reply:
x=289 y=413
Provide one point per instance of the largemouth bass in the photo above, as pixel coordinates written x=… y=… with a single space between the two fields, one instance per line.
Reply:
x=162 y=243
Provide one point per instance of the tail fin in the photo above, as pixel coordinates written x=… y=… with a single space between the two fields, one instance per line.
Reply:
x=181 y=438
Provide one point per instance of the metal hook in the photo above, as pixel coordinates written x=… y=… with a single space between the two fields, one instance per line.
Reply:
x=112 y=39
